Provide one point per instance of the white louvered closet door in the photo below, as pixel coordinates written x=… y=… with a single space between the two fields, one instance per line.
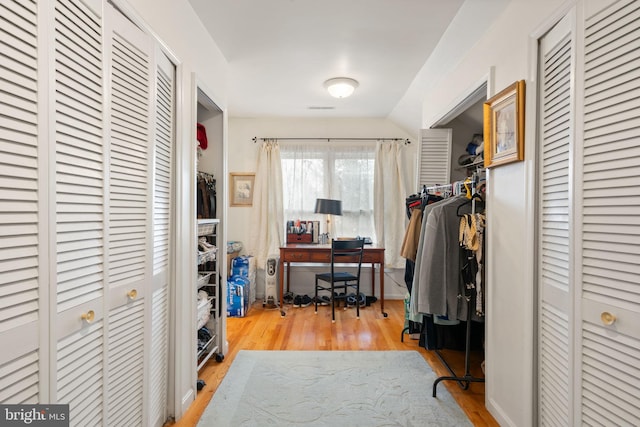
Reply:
x=129 y=232
x=554 y=207
x=77 y=192
x=85 y=191
x=434 y=167
x=162 y=196
x=589 y=208
x=22 y=218
x=609 y=228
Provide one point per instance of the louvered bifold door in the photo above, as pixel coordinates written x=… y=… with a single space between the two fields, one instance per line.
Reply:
x=553 y=228
x=610 y=218
x=164 y=137
x=129 y=236
x=79 y=257
x=434 y=164
x=20 y=215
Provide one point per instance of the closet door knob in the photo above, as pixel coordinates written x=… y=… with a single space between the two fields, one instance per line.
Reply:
x=88 y=316
x=132 y=294
x=607 y=318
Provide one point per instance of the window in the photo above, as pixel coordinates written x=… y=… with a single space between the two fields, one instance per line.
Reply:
x=335 y=172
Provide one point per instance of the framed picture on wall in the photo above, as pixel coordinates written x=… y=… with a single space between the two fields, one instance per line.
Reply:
x=241 y=188
x=504 y=126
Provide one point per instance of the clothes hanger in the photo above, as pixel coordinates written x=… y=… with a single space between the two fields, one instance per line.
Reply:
x=467 y=186
x=475 y=196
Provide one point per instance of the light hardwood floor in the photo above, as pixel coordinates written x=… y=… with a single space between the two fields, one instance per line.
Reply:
x=301 y=329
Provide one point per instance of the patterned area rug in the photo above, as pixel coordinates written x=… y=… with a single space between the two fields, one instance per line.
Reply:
x=330 y=388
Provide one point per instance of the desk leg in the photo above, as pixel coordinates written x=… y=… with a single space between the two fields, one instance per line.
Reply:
x=373 y=279
x=281 y=278
x=288 y=277
x=382 y=289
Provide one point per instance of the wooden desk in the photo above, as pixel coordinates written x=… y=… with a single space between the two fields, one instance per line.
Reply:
x=321 y=254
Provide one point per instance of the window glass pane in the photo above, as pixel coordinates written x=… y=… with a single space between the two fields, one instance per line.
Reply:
x=354 y=179
x=343 y=173
x=303 y=184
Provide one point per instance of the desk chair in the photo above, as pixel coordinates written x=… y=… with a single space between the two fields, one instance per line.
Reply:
x=342 y=251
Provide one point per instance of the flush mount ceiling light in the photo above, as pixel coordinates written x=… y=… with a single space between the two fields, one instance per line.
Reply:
x=340 y=87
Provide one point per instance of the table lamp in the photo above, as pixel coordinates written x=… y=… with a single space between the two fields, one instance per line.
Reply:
x=328 y=207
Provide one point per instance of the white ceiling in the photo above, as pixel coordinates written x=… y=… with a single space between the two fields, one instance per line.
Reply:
x=280 y=52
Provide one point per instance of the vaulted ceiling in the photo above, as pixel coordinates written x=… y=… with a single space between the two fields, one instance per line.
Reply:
x=280 y=52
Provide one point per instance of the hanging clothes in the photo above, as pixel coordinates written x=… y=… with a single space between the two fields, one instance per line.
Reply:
x=206 y=195
x=415 y=204
x=472 y=239
x=437 y=282
x=412 y=235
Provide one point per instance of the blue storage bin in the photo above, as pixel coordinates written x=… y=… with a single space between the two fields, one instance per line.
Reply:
x=237 y=296
x=240 y=266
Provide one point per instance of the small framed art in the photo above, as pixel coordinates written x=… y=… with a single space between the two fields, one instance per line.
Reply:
x=504 y=126
x=241 y=188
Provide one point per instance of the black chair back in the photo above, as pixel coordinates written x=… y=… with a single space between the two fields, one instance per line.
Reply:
x=347 y=251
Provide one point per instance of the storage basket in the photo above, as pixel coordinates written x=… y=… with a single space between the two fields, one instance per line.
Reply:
x=207 y=227
x=203 y=279
x=207 y=256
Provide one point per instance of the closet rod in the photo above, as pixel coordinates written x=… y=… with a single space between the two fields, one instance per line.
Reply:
x=406 y=140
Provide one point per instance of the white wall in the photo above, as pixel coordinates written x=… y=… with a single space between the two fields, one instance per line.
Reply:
x=243 y=154
x=510 y=327
x=176 y=24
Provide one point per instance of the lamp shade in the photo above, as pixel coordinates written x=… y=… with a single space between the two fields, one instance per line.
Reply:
x=329 y=206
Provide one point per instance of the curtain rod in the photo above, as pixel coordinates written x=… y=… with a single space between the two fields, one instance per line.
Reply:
x=406 y=140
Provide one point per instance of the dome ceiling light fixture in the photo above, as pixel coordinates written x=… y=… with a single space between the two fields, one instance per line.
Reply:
x=340 y=87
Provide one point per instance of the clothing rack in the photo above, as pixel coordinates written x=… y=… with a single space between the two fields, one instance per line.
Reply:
x=466 y=378
x=421 y=198
x=443 y=191
x=406 y=140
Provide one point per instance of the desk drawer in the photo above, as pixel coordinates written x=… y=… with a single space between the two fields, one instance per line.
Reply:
x=324 y=257
x=299 y=238
x=298 y=256
x=320 y=255
x=372 y=257
x=308 y=256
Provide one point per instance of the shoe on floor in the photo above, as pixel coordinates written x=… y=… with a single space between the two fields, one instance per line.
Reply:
x=322 y=300
x=297 y=300
x=305 y=301
x=351 y=300
x=288 y=297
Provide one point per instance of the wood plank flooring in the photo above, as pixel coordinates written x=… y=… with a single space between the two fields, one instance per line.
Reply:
x=301 y=329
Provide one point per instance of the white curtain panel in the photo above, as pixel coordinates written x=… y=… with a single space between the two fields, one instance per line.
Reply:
x=267 y=224
x=389 y=201
x=330 y=170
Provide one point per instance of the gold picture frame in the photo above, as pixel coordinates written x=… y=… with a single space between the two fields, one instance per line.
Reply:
x=241 y=188
x=504 y=126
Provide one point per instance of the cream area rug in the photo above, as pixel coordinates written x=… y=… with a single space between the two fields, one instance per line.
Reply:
x=330 y=388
